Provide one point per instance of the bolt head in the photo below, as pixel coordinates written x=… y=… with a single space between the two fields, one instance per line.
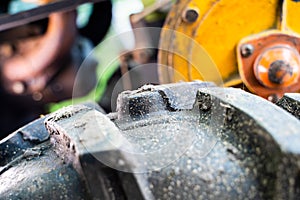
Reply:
x=247 y=50
x=190 y=15
x=273 y=98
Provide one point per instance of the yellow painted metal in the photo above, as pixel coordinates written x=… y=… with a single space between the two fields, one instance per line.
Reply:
x=166 y=72
x=290 y=16
x=183 y=43
x=206 y=48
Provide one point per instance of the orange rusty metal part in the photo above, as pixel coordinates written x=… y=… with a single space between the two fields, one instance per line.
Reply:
x=35 y=65
x=269 y=49
x=277 y=67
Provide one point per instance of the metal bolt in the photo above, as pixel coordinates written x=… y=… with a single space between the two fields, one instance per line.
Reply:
x=278 y=70
x=190 y=15
x=273 y=98
x=247 y=50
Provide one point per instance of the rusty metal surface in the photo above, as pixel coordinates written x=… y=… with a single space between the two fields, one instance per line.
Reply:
x=260 y=43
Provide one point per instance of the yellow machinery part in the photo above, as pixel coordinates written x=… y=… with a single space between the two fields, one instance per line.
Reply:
x=206 y=48
x=290 y=16
x=175 y=44
x=167 y=36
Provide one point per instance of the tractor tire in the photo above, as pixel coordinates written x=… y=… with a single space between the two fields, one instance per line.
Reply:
x=176 y=141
